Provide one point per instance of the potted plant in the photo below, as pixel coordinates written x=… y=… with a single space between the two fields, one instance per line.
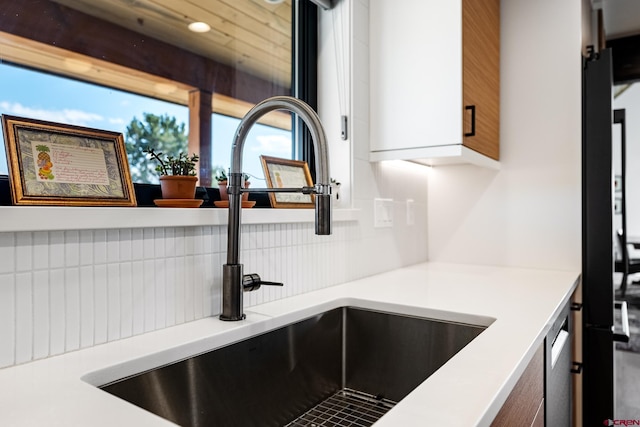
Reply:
x=223 y=180
x=177 y=174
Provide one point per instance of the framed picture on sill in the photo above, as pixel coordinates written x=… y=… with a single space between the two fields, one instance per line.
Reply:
x=64 y=165
x=285 y=173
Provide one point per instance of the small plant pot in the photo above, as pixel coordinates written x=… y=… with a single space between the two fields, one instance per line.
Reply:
x=245 y=196
x=178 y=187
x=222 y=186
x=224 y=195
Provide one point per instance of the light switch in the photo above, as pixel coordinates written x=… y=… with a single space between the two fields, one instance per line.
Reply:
x=383 y=213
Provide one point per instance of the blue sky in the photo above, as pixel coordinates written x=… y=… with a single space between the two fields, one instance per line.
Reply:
x=30 y=94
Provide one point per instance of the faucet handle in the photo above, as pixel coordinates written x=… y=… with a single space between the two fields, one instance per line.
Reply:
x=252 y=282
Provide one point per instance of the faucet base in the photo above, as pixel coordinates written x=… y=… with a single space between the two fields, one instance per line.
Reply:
x=232 y=318
x=232 y=293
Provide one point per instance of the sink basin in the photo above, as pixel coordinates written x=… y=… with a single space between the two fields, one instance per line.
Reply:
x=350 y=363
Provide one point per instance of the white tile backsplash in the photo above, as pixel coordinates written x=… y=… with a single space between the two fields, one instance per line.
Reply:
x=7 y=254
x=57 y=313
x=88 y=287
x=7 y=319
x=24 y=249
x=24 y=325
x=40 y=247
x=72 y=308
x=41 y=316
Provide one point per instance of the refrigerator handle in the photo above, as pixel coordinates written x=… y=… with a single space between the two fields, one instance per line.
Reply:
x=624 y=317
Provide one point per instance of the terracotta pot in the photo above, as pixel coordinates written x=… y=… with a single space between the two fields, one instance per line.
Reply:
x=245 y=196
x=178 y=187
x=222 y=186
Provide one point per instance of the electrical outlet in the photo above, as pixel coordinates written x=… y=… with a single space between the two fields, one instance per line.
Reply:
x=411 y=215
x=382 y=213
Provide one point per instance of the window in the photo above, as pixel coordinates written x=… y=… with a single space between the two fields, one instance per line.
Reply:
x=42 y=96
x=206 y=81
x=262 y=139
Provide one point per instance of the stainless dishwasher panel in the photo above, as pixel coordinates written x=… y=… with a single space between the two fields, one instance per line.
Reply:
x=558 y=381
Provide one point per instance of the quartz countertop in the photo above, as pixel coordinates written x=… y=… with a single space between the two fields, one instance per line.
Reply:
x=517 y=305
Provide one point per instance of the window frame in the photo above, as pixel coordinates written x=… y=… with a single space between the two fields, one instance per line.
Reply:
x=305 y=76
x=304 y=61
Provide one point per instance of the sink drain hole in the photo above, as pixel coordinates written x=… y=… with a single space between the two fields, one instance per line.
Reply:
x=345 y=408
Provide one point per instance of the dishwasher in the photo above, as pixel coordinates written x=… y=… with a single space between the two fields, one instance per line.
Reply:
x=558 y=382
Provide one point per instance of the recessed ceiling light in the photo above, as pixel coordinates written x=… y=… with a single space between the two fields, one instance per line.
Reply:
x=199 y=27
x=274 y=1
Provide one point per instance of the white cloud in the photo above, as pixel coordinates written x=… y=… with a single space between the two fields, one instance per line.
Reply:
x=273 y=144
x=75 y=117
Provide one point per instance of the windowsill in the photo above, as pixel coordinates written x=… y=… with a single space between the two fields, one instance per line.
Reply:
x=46 y=218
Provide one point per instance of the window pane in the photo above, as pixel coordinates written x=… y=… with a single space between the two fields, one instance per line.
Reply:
x=261 y=140
x=41 y=96
x=147 y=49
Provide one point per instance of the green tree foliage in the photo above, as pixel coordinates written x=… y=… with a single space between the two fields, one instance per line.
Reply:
x=162 y=133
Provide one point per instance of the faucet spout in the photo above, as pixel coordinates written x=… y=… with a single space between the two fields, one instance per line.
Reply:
x=232 y=288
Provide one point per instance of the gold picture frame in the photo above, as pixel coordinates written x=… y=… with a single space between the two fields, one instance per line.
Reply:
x=286 y=173
x=64 y=165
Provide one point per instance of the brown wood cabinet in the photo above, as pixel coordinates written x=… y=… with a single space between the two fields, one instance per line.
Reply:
x=524 y=406
x=481 y=76
x=525 y=403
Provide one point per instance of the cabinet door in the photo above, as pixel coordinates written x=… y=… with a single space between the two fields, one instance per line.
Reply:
x=415 y=73
x=481 y=75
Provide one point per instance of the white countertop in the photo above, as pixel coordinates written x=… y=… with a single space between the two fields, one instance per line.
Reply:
x=467 y=391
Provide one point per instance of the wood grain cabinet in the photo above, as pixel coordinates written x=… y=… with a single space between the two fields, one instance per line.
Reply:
x=525 y=404
x=481 y=76
x=435 y=81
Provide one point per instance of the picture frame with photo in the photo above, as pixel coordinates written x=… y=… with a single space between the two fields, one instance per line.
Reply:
x=287 y=173
x=64 y=165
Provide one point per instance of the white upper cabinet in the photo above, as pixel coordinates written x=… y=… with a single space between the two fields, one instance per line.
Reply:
x=434 y=70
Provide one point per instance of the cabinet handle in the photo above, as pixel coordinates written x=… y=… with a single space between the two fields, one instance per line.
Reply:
x=473 y=120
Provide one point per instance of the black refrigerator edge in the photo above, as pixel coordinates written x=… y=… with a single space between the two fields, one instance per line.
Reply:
x=597 y=240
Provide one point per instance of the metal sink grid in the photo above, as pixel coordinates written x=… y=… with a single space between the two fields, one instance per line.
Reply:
x=345 y=408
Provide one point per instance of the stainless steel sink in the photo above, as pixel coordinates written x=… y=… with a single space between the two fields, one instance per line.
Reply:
x=347 y=363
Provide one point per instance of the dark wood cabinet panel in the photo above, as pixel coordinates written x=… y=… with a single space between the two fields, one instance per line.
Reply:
x=522 y=405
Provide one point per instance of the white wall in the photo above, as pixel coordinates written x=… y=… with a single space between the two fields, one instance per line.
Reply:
x=528 y=213
x=65 y=290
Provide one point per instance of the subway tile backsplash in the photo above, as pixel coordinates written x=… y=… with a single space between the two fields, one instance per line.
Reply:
x=63 y=291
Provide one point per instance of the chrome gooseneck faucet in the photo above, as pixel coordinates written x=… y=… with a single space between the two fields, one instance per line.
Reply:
x=234 y=282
